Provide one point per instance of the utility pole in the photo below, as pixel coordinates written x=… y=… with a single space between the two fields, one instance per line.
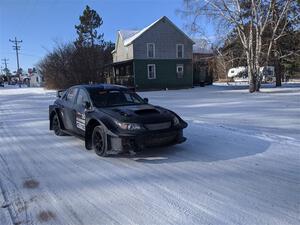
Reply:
x=17 y=48
x=5 y=62
x=5 y=65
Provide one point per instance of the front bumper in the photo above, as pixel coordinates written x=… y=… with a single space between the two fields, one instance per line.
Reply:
x=118 y=144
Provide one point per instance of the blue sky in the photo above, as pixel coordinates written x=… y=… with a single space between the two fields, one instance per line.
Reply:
x=41 y=23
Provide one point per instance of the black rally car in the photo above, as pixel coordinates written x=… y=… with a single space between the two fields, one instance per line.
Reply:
x=113 y=119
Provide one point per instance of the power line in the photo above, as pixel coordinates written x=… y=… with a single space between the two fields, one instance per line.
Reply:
x=17 y=48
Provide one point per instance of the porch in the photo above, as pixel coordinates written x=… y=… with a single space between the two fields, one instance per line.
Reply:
x=123 y=73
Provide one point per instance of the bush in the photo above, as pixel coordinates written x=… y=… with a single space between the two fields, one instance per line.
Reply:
x=67 y=65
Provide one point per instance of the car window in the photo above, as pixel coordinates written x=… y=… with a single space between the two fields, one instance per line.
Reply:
x=103 y=98
x=81 y=98
x=70 y=97
x=122 y=98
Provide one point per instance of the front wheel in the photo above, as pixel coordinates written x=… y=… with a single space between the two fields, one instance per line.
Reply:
x=56 y=126
x=99 y=141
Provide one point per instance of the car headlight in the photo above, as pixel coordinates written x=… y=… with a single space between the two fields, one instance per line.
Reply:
x=176 y=121
x=128 y=126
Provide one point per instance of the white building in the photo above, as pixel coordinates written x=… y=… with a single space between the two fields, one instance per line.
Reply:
x=36 y=80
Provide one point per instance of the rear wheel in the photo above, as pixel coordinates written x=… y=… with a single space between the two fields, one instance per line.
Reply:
x=56 y=126
x=99 y=141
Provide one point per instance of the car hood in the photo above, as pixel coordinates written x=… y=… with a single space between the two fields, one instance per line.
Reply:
x=145 y=113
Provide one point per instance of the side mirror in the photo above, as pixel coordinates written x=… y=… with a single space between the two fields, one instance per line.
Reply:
x=146 y=100
x=60 y=93
x=87 y=105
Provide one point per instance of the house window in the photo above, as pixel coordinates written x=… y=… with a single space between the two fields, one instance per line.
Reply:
x=151 y=71
x=179 y=51
x=128 y=70
x=150 y=50
x=179 y=70
x=117 y=71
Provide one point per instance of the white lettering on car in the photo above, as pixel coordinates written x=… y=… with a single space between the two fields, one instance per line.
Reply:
x=80 y=121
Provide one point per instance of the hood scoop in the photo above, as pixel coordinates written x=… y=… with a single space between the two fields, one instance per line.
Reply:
x=145 y=112
x=122 y=113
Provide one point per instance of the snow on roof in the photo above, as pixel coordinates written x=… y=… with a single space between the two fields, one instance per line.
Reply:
x=125 y=34
x=130 y=35
x=198 y=49
x=139 y=33
x=201 y=46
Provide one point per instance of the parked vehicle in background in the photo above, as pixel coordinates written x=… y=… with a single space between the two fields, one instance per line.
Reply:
x=268 y=74
x=240 y=74
x=113 y=119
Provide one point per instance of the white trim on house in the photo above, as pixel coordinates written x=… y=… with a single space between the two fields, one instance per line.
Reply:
x=148 y=44
x=179 y=66
x=177 y=45
x=154 y=71
x=179 y=73
x=116 y=45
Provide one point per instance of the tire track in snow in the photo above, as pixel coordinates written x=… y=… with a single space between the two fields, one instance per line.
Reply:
x=78 y=168
x=17 y=206
x=42 y=157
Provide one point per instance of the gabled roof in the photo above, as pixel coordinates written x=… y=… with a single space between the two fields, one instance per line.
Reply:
x=125 y=34
x=129 y=36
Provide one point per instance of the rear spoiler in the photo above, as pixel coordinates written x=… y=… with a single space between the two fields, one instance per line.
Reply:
x=60 y=93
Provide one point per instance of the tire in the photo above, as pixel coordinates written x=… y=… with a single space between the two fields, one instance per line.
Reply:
x=56 y=126
x=99 y=141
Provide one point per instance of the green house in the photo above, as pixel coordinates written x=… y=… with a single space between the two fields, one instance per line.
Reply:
x=156 y=57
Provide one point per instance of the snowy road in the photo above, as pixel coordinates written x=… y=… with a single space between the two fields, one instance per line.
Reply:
x=240 y=164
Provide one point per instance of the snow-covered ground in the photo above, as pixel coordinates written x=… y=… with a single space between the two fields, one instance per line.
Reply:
x=240 y=164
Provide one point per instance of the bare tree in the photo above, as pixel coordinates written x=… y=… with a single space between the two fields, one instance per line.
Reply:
x=67 y=65
x=82 y=61
x=250 y=18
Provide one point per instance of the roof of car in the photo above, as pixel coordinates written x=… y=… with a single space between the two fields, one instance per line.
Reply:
x=103 y=86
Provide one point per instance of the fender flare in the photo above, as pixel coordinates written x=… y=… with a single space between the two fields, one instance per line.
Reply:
x=92 y=123
x=56 y=111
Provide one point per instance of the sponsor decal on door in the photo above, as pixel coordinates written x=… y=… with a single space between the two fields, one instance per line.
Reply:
x=80 y=121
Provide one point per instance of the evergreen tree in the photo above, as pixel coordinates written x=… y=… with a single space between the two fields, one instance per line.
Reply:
x=88 y=36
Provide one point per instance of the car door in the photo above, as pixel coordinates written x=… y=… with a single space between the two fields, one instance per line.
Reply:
x=79 y=116
x=69 y=109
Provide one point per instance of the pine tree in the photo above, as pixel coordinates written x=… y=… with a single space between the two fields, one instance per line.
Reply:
x=88 y=36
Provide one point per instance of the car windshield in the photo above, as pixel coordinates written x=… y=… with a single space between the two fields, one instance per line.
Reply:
x=109 y=98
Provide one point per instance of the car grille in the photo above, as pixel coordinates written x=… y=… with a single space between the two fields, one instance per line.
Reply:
x=158 y=126
x=160 y=139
